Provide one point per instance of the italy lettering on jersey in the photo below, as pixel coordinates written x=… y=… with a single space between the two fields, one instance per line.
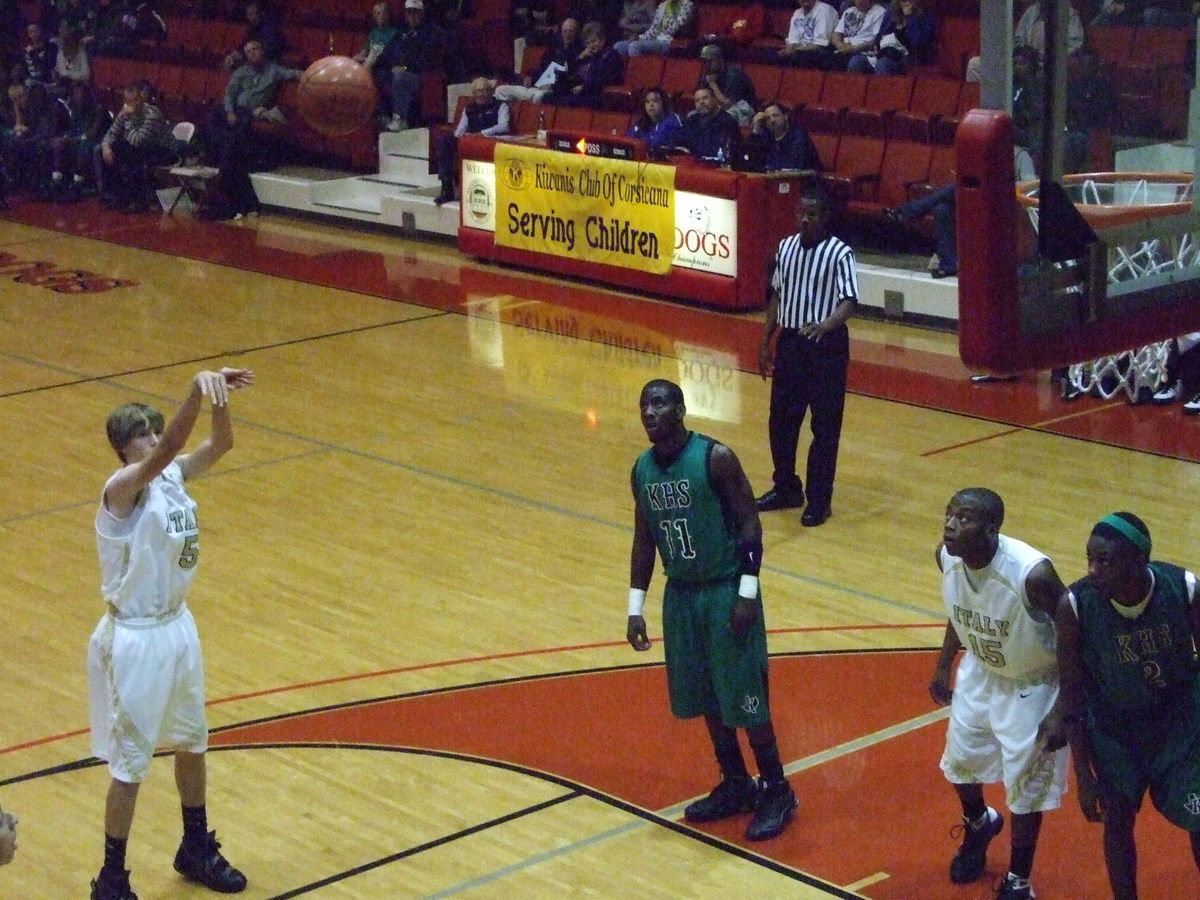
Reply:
x=990 y=611
x=684 y=513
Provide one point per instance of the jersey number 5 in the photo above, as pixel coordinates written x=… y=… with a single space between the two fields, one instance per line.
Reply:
x=190 y=554
x=677 y=536
x=988 y=651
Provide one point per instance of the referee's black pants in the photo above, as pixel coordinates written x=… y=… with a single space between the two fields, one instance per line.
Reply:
x=808 y=375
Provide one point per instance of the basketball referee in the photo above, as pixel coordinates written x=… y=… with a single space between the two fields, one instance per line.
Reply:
x=813 y=291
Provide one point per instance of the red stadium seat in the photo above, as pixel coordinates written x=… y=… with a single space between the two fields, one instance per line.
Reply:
x=641 y=72
x=766 y=79
x=573 y=119
x=886 y=95
x=932 y=99
x=842 y=91
x=525 y=120
x=801 y=87
x=904 y=163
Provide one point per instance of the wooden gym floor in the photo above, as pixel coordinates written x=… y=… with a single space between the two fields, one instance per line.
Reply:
x=416 y=559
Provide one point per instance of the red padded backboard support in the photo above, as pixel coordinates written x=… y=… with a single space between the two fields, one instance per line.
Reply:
x=989 y=328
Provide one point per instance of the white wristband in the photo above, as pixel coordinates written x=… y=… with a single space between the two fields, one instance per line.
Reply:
x=637 y=601
x=748 y=588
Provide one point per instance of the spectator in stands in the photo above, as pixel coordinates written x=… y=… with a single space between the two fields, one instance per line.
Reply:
x=483 y=115
x=789 y=145
x=659 y=127
x=381 y=34
x=856 y=31
x=708 y=131
x=940 y=203
x=1119 y=12
x=810 y=34
x=262 y=25
x=744 y=25
x=82 y=122
x=413 y=51
x=249 y=97
x=1091 y=103
x=116 y=28
x=1170 y=13
x=40 y=56
x=530 y=19
x=138 y=139
x=671 y=17
x=80 y=15
x=71 y=64
x=636 y=17
x=1030 y=31
x=1027 y=98
x=560 y=57
x=908 y=35
x=732 y=88
x=25 y=125
x=596 y=67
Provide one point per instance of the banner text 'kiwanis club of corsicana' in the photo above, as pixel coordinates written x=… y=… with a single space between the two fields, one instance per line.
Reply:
x=603 y=210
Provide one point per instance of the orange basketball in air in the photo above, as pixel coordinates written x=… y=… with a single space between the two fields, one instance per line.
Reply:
x=336 y=96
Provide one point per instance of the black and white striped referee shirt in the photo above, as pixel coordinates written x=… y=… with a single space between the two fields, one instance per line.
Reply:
x=811 y=281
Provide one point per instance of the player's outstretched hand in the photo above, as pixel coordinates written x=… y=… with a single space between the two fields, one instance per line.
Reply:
x=635 y=633
x=237 y=378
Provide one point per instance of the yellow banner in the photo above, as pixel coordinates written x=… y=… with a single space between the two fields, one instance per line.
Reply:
x=603 y=210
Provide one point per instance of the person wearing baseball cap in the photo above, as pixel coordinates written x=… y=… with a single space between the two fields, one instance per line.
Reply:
x=411 y=52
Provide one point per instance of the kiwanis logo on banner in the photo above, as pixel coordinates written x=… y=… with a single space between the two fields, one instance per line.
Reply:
x=603 y=210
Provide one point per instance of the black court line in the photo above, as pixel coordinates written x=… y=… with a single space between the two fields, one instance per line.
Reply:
x=436 y=314
x=574 y=789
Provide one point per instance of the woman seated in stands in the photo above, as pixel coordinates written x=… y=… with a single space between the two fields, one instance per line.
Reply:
x=908 y=35
x=658 y=127
x=670 y=19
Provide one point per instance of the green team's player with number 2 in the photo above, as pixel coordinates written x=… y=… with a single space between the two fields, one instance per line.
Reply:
x=1001 y=596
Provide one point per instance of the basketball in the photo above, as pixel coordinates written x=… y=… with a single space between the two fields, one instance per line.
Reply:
x=336 y=96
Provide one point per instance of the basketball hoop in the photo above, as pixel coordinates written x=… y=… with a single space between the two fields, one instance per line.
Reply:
x=1107 y=200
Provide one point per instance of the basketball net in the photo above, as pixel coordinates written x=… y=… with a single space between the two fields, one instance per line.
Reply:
x=1142 y=369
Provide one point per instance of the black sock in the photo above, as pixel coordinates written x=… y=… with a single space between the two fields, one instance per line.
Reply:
x=729 y=752
x=1022 y=861
x=769 y=765
x=114 y=855
x=972 y=811
x=195 y=823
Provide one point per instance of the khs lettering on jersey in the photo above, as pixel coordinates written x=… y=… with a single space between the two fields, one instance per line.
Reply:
x=669 y=495
x=980 y=623
x=1136 y=645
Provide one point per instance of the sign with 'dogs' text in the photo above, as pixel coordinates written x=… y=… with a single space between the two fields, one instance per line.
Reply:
x=603 y=210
